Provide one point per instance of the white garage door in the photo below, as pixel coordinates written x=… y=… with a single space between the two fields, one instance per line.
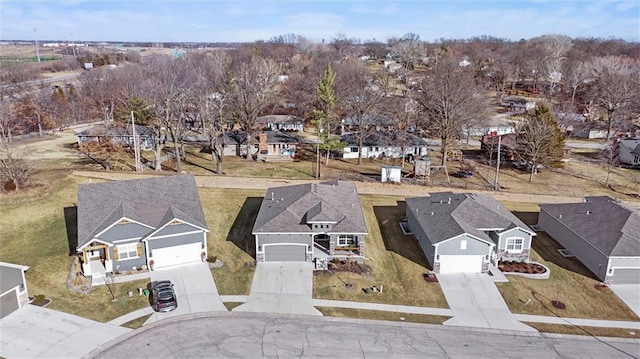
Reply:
x=285 y=253
x=186 y=253
x=460 y=264
x=626 y=276
x=8 y=303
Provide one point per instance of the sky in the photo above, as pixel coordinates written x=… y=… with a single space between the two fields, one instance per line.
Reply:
x=248 y=21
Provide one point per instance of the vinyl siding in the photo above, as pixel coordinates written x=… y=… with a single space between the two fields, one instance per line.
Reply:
x=452 y=247
x=592 y=258
x=155 y=243
x=124 y=231
x=175 y=229
x=302 y=238
x=421 y=237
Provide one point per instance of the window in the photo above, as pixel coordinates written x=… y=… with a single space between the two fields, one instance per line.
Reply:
x=514 y=244
x=127 y=251
x=347 y=240
x=463 y=245
x=354 y=149
x=636 y=159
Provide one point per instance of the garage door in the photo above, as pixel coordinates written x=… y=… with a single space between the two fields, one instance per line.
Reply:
x=186 y=253
x=626 y=276
x=460 y=264
x=285 y=253
x=8 y=303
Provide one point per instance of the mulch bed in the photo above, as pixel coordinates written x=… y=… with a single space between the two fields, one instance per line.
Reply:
x=349 y=266
x=558 y=304
x=601 y=287
x=521 y=267
x=430 y=277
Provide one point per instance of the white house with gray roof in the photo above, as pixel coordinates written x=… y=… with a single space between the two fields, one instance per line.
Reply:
x=602 y=232
x=310 y=222
x=153 y=222
x=13 y=288
x=464 y=233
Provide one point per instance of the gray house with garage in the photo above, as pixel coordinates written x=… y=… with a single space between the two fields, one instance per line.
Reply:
x=13 y=288
x=465 y=233
x=314 y=222
x=136 y=224
x=602 y=232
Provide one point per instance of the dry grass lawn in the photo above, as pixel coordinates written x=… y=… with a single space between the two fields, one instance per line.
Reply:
x=591 y=331
x=570 y=282
x=396 y=262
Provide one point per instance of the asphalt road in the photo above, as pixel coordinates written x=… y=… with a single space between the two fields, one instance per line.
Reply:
x=251 y=335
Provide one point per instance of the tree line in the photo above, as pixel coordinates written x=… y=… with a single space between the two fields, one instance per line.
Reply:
x=436 y=89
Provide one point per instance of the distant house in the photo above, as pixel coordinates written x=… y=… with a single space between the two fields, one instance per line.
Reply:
x=310 y=222
x=465 y=233
x=351 y=125
x=602 y=232
x=267 y=145
x=118 y=133
x=508 y=145
x=590 y=130
x=487 y=126
x=517 y=104
x=284 y=123
x=13 y=288
x=629 y=153
x=153 y=222
x=385 y=145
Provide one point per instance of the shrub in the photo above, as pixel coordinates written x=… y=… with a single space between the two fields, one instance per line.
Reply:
x=39 y=299
x=212 y=259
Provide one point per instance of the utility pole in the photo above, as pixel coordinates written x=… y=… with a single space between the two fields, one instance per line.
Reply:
x=318 y=149
x=136 y=145
x=37 y=52
x=496 y=185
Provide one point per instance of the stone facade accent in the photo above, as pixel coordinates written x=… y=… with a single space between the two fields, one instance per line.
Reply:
x=361 y=251
x=259 y=257
x=520 y=257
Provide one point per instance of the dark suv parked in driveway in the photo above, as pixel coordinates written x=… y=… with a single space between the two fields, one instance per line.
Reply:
x=163 y=298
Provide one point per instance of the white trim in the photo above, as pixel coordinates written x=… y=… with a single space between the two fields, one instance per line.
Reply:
x=285 y=244
x=149 y=238
x=311 y=233
x=91 y=241
x=169 y=222
x=126 y=240
x=506 y=245
x=517 y=227
x=491 y=244
x=118 y=221
x=120 y=259
x=11 y=265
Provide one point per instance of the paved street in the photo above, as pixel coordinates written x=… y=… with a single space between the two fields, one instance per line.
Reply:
x=252 y=335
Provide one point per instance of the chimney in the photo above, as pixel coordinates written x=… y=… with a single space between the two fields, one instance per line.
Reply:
x=272 y=196
x=262 y=147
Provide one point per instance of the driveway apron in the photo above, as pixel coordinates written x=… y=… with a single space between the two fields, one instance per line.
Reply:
x=476 y=302
x=195 y=290
x=35 y=332
x=629 y=294
x=281 y=287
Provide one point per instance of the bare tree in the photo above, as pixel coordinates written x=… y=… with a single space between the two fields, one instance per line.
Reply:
x=253 y=90
x=574 y=75
x=450 y=100
x=540 y=139
x=554 y=49
x=14 y=166
x=358 y=99
x=610 y=157
x=408 y=50
x=615 y=86
x=101 y=87
x=8 y=124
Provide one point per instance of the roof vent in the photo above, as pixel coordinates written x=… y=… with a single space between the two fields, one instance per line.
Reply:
x=449 y=201
x=588 y=212
x=272 y=196
x=432 y=213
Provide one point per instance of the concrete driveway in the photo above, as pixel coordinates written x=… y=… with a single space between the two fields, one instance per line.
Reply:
x=35 y=332
x=476 y=302
x=195 y=289
x=281 y=287
x=630 y=295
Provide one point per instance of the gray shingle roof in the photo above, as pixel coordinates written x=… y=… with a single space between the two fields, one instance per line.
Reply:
x=445 y=215
x=286 y=209
x=152 y=201
x=604 y=222
x=394 y=138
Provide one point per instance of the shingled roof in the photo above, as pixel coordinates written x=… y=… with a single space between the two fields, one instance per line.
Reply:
x=289 y=209
x=445 y=215
x=602 y=221
x=153 y=202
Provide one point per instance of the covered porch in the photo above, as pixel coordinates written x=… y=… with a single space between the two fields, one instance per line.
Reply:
x=96 y=260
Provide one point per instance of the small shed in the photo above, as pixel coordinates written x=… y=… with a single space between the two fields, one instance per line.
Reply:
x=391 y=174
x=422 y=167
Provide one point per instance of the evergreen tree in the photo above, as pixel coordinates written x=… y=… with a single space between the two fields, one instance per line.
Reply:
x=141 y=111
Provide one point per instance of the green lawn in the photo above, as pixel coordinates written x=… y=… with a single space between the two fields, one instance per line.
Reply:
x=397 y=263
